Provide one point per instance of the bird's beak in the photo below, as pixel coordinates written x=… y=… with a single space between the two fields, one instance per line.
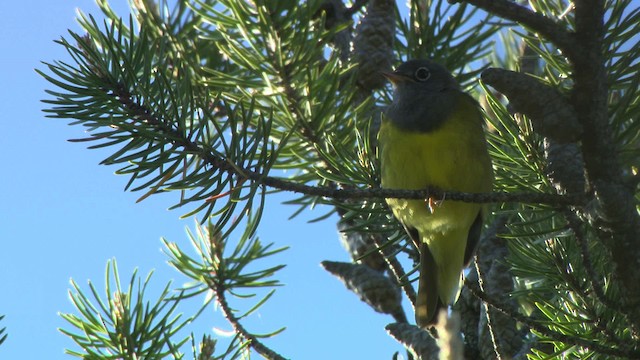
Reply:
x=394 y=77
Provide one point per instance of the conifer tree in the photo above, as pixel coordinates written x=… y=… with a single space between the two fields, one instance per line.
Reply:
x=212 y=100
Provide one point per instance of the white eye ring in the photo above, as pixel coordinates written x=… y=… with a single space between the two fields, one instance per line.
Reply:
x=422 y=74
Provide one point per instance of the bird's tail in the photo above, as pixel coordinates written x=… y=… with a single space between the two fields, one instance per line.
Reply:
x=428 y=303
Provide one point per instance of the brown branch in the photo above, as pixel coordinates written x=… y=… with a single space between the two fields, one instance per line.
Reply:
x=488 y=314
x=496 y=197
x=258 y=346
x=536 y=22
x=617 y=203
x=397 y=270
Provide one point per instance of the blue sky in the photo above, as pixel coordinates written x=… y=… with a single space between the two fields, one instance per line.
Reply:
x=64 y=216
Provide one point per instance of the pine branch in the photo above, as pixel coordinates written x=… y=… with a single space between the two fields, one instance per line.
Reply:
x=536 y=22
x=588 y=99
x=265 y=48
x=145 y=115
x=621 y=350
x=595 y=280
x=258 y=346
x=495 y=197
x=223 y=271
x=124 y=323
x=3 y=335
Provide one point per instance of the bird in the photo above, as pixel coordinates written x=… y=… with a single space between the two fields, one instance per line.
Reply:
x=432 y=135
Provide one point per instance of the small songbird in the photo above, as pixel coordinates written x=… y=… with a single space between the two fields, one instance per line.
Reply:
x=432 y=136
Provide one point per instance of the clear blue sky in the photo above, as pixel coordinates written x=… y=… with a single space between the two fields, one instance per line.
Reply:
x=63 y=216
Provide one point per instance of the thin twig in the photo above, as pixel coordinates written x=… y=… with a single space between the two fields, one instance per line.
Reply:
x=492 y=334
x=397 y=270
x=258 y=346
x=490 y=250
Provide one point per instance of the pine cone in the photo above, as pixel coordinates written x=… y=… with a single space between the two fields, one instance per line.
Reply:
x=372 y=47
x=377 y=290
x=361 y=246
x=419 y=342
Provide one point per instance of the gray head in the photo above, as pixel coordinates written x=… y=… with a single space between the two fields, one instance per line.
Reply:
x=424 y=94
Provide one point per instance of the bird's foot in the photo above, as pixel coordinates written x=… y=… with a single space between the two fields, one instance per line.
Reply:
x=432 y=204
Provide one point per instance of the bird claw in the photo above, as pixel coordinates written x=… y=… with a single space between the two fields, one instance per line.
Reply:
x=432 y=204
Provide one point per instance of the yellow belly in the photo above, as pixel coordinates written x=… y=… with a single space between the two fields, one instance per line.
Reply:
x=453 y=157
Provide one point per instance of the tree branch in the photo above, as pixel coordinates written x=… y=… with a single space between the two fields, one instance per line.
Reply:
x=584 y=50
x=621 y=221
x=396 y=269
x=146 y=116
x=262 y=349
x=379 y=193
x=538 y=23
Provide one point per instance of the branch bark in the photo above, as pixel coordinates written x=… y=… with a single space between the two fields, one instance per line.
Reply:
x=239 y=329
x=617 y=201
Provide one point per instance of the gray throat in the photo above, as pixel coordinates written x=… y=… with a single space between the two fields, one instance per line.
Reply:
x=423 y=113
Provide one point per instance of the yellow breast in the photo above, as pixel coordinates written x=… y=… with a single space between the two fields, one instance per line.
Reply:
x=452 y=157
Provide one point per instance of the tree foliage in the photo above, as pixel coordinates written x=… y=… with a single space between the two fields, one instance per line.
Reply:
x=225 y=102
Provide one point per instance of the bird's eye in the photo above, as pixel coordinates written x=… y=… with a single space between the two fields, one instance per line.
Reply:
x=422 y=74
